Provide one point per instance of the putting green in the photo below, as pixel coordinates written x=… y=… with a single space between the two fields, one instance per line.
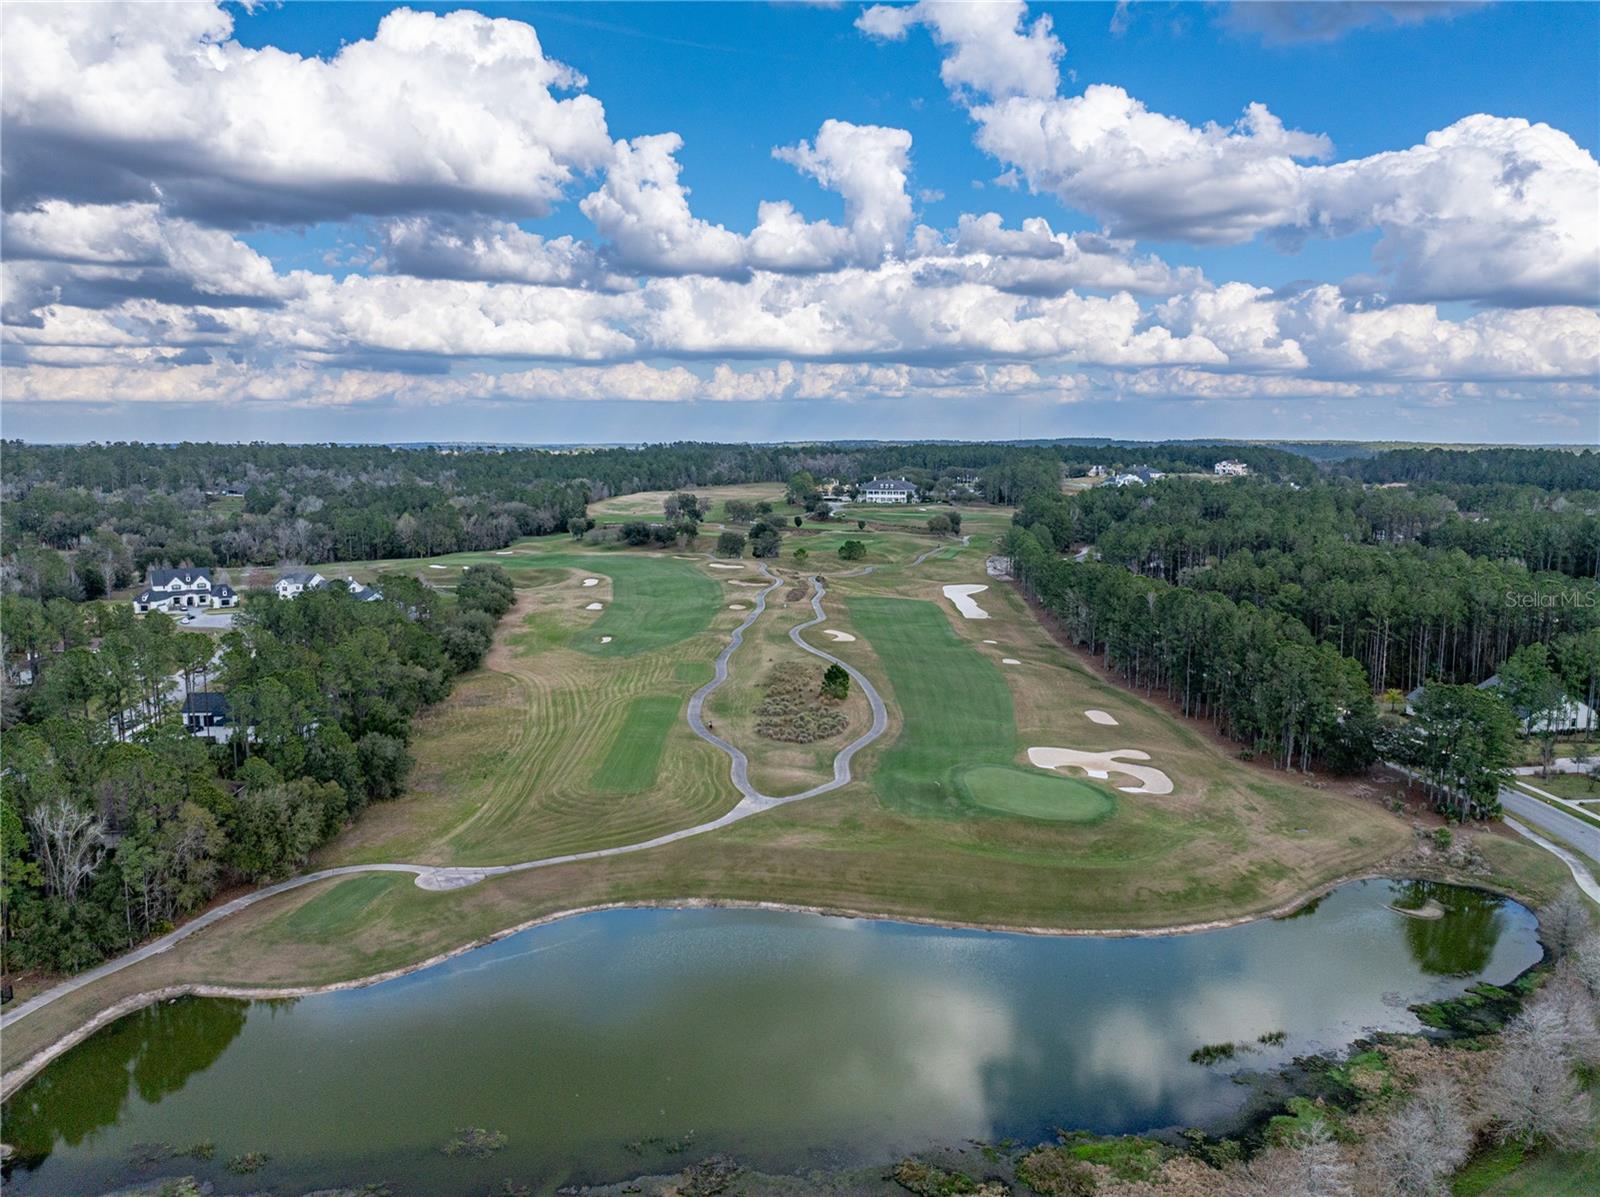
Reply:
x=1035 y=795
x=634 y=754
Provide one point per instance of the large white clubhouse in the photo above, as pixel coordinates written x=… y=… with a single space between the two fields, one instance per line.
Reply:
x=183 y=590
x=887 y=490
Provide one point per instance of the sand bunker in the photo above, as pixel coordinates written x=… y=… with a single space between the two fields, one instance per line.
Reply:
x=438 y=567
x=742 y=582
x=605 y=640
x=724 y=565
x=1009 y=661
x=595 y=607
x=961 y=596
x=991 y=642
x=840 y=637
x=502 y=552
x=1102 y=718
x=736 y=606
x=591 y=581
x=1103 y=764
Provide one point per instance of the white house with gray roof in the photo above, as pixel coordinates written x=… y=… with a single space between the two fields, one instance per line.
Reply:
x=183 y=590
x=887 y=490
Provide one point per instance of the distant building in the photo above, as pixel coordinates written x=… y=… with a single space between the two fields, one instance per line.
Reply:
x=888 y=490
x=1098 y=471
x=1230 y=469
x=183 y=590
x=295 y=582
x=363 y=593
x=1137 y=477
x=1573 y=716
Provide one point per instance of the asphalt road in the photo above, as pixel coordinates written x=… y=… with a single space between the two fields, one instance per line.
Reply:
x=1585 y=837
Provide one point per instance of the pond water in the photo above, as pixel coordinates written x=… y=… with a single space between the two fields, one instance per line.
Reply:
x=632 y=1041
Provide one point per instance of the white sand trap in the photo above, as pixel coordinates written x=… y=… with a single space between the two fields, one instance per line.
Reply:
x=736 y=606
x=591 y=581
x=724 y=565
x=741 y=582
x=605 y=640
x=595 y=607
x=438 y=567
x=838 y=636
x=961 y=596
x=991 y=642
x=1103 y=764
x=502 y=552
x=1009 y=661
x=1103 y=718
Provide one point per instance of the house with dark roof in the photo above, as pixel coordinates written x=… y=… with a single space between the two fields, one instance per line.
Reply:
x=363 y=593
x=204 y=710
x=183 y=590
x=296 y=582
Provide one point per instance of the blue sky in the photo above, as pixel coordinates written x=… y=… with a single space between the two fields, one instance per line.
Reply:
x=1426 y=270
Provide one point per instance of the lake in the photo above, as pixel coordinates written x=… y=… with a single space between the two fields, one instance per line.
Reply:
x=633 y=1041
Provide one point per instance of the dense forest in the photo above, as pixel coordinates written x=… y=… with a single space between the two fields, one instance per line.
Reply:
x=115 y=821
x=83 y=521
x=1279 y=611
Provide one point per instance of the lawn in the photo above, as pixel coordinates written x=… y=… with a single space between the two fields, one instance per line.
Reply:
x=336 y=911
x=1566 y=785
x=655 y=601
x=633 y=756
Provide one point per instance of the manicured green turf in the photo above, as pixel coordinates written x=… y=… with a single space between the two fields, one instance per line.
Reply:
x=329 y=914
x=634 y=754
x=1035 y=795
x=655 y=601
x=957 y=714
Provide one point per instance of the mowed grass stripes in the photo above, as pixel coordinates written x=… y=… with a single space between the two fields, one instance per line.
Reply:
x=633 y=757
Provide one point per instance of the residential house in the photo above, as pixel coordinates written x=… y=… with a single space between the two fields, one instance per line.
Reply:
x=183 y=590
x=295 y=582
x=205 y=713
x=1574 y=716
x=1230 y=469
x=887 y=490
x=1137 y=477
x=363 y=593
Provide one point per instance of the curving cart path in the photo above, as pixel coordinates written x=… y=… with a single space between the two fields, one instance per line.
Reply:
x=751 y=802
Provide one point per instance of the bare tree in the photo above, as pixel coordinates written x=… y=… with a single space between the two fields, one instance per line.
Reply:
x=1422 y=1144
x=1565 y=922
x=70 y=842
x=1310 y=1165
x=1531 y=1094
x=1570 y=1001
x=1586 y=964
